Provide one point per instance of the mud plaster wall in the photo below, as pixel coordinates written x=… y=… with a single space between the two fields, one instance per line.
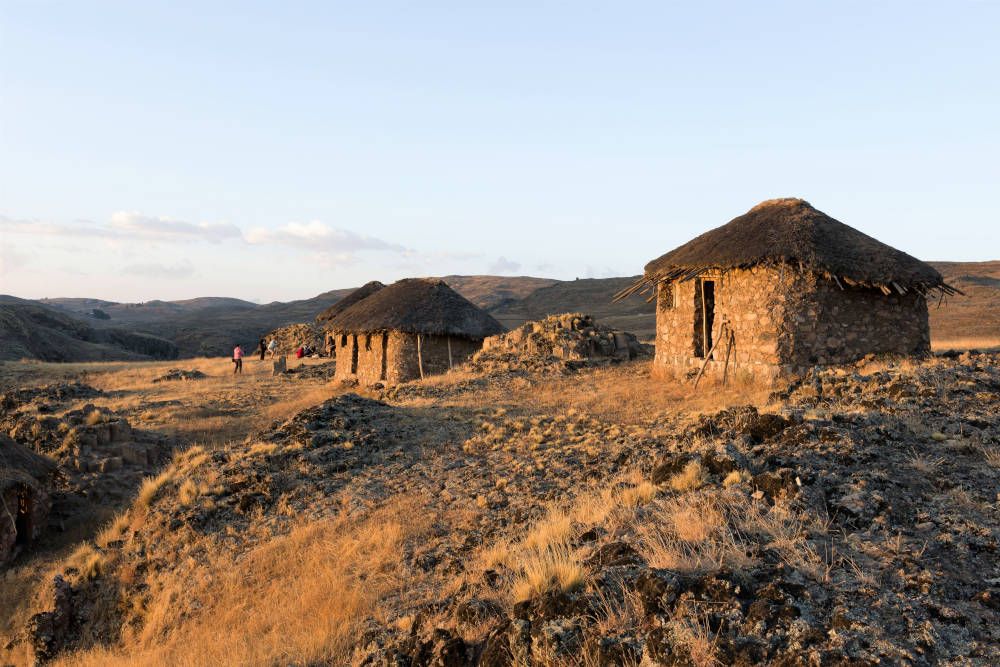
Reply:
x=400 y=356
x=786 y=321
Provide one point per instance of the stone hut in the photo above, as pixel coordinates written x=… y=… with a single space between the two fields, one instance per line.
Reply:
x=782 y=288
x=324 y=319
x=412 y=328
x=26 y=480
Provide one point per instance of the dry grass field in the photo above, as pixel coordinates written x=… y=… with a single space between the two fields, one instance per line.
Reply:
x=583 y=518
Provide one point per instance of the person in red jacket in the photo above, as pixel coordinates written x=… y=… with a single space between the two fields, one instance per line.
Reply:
x=237 y=359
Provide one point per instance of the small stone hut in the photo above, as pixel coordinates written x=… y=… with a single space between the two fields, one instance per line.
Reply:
x=782 y=288
x=324 y=319
x=412 y=328
x=25 y=496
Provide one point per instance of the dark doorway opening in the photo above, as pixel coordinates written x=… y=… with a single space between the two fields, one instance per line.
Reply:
x=385 y=354
x=354 y=354
x=22 y=522
x=704 y=316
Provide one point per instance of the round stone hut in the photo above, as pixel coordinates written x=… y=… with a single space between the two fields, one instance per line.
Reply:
x=782 y=288
x=408 y=330
x=325 y=318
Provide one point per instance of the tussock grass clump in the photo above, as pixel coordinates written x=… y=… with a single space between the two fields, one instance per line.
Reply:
x=692 y=477
x=735 y=477
x=263 y=449
x=555 y=529
x=188 y=492
x=151 y=486
x=95 y=417
x=553 y=568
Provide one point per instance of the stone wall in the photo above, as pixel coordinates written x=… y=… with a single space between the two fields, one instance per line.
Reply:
x=829 y=325
x=392 y=357
x=784 y=322
x=24 y=512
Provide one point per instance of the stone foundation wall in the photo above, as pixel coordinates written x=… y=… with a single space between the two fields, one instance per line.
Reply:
x=829 y=325
x=784 y=322
x=15 y=499
x=392 y=357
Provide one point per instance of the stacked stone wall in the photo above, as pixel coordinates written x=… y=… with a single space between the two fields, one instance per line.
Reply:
x=400 y=356
x=785 y=321
x=830 y=325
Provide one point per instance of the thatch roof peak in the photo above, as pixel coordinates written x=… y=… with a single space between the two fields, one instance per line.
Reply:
x=362 y=292
x=419 y=306
x=790 y=231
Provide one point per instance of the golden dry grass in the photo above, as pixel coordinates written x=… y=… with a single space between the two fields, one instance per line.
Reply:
x=970 y=343
x=298 y=598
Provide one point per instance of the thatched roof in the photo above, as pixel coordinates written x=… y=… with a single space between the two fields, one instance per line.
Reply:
x=362 y=292
x=419 y=306
x=791 y=232
x=20 y=465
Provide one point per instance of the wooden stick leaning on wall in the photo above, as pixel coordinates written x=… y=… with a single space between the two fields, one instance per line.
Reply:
x=420 y=358
x=730 y=344
x=449 y=352
x=722 y=334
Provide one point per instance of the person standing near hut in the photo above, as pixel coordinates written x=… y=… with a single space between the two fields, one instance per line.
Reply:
x=237 y=359
x=272 y=347
x=263 y=348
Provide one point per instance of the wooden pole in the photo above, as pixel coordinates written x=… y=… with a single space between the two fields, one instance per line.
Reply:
x=420 y=358
x=705 y=363
x=729 y=349
x=449 y=352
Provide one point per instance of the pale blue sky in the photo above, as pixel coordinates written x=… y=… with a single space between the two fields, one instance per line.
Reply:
x=275 y=150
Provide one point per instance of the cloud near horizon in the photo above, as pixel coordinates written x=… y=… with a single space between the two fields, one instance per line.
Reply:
x=319 y=237
x=182 y=269
x=504 y=265
x=127 y=226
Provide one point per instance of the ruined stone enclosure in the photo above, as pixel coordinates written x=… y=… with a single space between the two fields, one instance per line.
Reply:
x=25 y=496
x=784 y=288
x=406 y=331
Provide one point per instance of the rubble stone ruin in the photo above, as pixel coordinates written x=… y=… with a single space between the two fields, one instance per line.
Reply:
x=408 y=330
x=26 y=481
x=783 y=288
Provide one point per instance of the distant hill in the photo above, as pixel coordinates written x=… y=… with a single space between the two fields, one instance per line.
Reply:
x=209 y=326
x=589 y=295
x=491 y=292
x=975 y=315
x=30 y=330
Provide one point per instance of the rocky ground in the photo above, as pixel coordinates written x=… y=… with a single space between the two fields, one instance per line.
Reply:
x=851 y=519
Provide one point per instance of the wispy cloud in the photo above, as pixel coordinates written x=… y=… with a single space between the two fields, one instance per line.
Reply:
x=319 y=237
x=126 y=226
x=504 y=265
x=11 y=259
x=136 y=225
x=182 y=269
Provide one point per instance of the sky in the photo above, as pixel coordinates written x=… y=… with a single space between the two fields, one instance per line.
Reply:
x=275 y=150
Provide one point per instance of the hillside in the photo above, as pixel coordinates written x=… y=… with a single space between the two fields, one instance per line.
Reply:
x=33 y=331
x=975 y=316
x=589 y=295
x=593 y=517
x=210 y=326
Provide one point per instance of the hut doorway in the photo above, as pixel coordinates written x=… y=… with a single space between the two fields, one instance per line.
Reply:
x=704 y=316
x=22 y=523
x=354 y=354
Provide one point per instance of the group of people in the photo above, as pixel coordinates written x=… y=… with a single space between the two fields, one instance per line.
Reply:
x=264 y=347
x=268 y=348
